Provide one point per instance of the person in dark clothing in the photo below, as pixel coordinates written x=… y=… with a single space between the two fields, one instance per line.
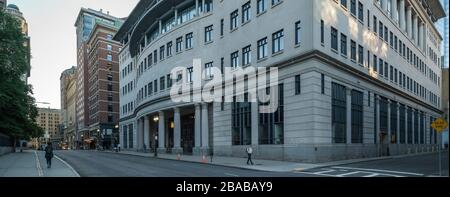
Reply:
x=49 y=154
x=249 y=151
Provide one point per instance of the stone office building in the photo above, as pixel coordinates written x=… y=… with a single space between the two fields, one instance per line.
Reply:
x=356 y=78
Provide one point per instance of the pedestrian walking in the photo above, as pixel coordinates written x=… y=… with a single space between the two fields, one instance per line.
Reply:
x=49 y=154
x=249 y=153
x=118 y=147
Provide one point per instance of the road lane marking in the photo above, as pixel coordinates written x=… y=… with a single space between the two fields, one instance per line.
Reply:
x=323 y=172
x=313 y=173
x=349 y=173
x=372 y=175
x=377 y=170
x=69 y=166
x=38 y=165
x=231 y=174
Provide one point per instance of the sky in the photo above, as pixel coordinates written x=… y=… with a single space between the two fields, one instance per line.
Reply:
x=53 y=39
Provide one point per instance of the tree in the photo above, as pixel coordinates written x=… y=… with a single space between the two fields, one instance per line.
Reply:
x=18 y=110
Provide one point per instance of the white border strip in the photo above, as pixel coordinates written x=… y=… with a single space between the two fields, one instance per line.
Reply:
x=38 y=165
x=70 y=167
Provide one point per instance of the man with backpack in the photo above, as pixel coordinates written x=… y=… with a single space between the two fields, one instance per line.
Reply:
x=49 y=154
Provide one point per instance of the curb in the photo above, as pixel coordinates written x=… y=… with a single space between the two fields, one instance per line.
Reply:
x=212 y=164
x=68 y=165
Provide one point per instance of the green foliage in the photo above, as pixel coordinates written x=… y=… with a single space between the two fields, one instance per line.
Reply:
x=18 y=110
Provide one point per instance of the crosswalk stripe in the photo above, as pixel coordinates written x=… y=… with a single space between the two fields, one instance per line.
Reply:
x=377 y=170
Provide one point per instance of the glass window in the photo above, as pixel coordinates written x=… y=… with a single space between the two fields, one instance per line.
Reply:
x=297 y=85
x=360 y=55
x=297 y=32
x=262 y=48
x=109 y=57
x=189 y=42
x=246 y=55
x=246 y=12
x=339 y=113
x=353 y=50
x=261 y=6
x=234 y=20
x=235 y=59
x=343 y=44
x=179 y=44
x=277 y=41
x=208 y=70
x=357 y=116
x=334 y=40
x=208 y=33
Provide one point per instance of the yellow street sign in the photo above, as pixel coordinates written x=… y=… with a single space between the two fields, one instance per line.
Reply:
x=439 y=125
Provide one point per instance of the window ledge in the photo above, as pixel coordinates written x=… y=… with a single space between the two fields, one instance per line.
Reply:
x=209 y=42
x=179 y=52
x=261 y=13
x=344 y=56
x=246 y=22
x=334 y=50
x=262 y=59
x=298 y=45
x=277 y=4
x=188 y=49
x=246 y=65
x=278 y=53
x=233 y=30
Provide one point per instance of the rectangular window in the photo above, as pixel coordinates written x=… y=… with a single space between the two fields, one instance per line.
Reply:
x=234 y=20
x=381 y=67
x=391 y=73
x=339 y=113
x=278 y=41
x=262 y=48
x=246 y=12
x=246 y=55
x=261 y=6
x=169 y=81
x=360 y=55
x=155 y=56
x=297 y=32
x=162 y=83
x=353 y=50
x=391 y=39
x=189 y=76
x=297 y=85
x=189 y=42
x=208 y=33
x=235 y=59
x=271 y=125
x=395 y=43
x=275 y=2
x=375 y=24
x=386 y=34
x=109 y=57
x=375 y=63
x=334 y=40
x=343 y=44
x=169 y=49
x=344 y=3
x=208 y=70
x=386 y=69
x=179 y=44
x=161 y=52
x=395 y=75
x=109 y=47
x=221 y=26
x=322 y=35
x=380 y=30
x=360 y=11
x=322 y=79
x=155 y=85
x=357 y=116
x=353 y=7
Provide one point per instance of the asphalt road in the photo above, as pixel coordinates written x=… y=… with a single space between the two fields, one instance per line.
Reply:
x=103 y=164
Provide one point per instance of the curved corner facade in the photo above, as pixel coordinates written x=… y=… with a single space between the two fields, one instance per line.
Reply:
x=356 y=78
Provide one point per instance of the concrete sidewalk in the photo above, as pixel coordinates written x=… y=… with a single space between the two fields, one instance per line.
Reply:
x=31 y=163
x=262 y=165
